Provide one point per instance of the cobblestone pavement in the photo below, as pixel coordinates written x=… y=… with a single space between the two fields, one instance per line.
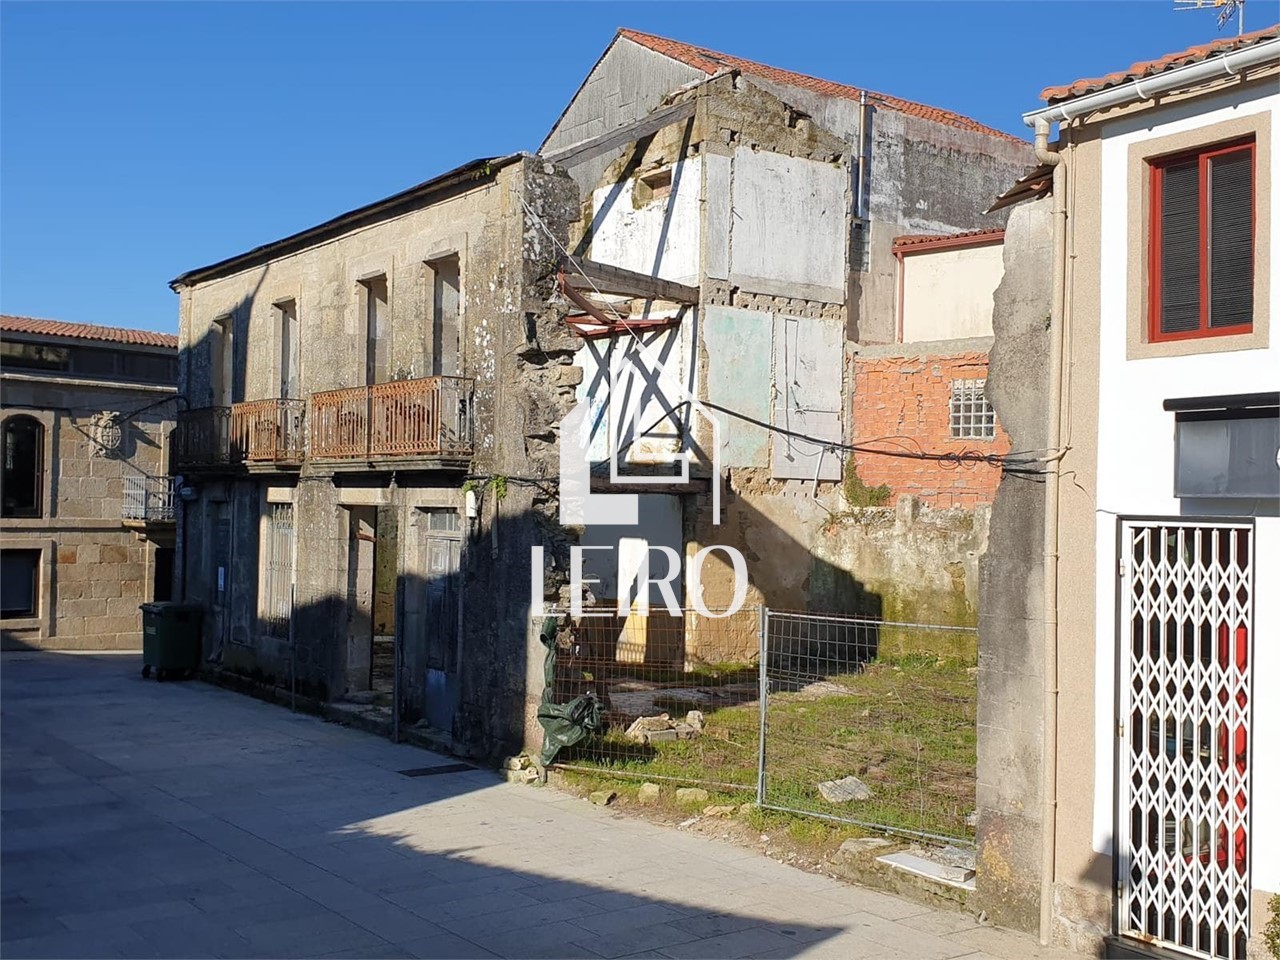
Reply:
x=180 y=820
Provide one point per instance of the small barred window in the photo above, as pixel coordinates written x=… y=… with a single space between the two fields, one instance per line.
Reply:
x=972 y=417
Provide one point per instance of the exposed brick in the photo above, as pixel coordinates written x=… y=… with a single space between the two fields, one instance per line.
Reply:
x=905 y=403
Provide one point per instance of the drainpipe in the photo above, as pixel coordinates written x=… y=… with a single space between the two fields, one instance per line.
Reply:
x=1057 y=321
x=861 y=212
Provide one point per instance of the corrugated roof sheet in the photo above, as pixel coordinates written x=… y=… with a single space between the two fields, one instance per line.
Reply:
x=988 y=235
x=709 y=62
x=86 y=331
x=1149 y=68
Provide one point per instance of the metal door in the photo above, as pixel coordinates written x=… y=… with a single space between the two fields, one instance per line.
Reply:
x=1183 y=798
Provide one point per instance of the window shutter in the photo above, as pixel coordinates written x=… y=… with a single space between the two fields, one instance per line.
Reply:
x=1231 y=239
x=1180 y=248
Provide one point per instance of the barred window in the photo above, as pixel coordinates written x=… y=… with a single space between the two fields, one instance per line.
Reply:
x=277 y=569
x=972 y=417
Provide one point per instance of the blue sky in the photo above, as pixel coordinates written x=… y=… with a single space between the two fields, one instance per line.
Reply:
x=140 y=140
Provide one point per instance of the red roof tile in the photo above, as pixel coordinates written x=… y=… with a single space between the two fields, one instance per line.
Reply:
x=709 y=62
x=964 y=239
x=86 y=331
x=1148 y=68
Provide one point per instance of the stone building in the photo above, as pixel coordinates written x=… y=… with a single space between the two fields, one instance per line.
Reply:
x=370 y=404
x=87 y=524
x=374 y=437
x=1129 y=618
x=775 y=200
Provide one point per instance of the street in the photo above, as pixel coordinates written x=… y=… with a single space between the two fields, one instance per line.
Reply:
x=143 y=819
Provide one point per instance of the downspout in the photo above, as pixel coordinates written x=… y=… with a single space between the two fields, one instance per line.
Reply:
x=1057 y=321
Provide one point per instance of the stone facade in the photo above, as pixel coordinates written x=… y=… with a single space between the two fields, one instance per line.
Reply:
x=99 y=539
x=390 y=538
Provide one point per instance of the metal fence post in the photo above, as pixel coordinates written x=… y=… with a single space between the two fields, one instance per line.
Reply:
x=763 y=627
x=293 y=652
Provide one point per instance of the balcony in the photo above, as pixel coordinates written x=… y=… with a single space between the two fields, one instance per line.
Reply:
x=269 y=432
x=148 y=499
x=202 y=438
x=147 y=508
x=429 y=418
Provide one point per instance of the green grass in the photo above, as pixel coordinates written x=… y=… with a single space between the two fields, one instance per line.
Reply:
x=906 y=727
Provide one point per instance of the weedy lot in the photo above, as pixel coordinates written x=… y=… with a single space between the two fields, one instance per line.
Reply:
x=904 y=725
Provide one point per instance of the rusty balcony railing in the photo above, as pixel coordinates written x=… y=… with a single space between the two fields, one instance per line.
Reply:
x=269 y=431
x=202 y=438
x=430 y=417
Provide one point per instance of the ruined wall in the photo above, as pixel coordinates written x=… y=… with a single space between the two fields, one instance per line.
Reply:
x=533 y=380
x=93 y=572
x=812 y=552
x=1011 y=628
x=627 y=83
x=904 y=403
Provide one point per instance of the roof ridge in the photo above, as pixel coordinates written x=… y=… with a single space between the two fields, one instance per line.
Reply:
x=710 y=61
x=11 y=323
x=1145 y=68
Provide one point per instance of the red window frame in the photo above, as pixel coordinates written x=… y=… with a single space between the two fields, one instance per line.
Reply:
x=1202 y=156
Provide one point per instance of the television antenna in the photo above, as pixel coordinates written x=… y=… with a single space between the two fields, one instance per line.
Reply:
x=1226 y=10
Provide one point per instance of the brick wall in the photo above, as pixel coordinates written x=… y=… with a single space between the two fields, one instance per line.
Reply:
x=907 y=400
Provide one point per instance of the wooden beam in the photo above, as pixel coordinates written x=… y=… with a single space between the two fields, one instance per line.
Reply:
x=610 y=279
x=584 y=151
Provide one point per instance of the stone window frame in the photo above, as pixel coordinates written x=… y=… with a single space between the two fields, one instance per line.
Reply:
x=281 y=295
x=362 y=272
x=48 y=507
x=1141 y=156
x=43 y=619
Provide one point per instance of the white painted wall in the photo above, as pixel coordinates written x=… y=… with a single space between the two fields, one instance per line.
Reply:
x=661 y=237
x=788 y=226
x=1135 y=471
x=947 y=294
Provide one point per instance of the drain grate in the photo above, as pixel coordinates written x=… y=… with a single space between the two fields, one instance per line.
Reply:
x=432 y=771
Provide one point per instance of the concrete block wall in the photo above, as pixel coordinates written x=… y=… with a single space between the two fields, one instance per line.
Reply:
x=905 y=403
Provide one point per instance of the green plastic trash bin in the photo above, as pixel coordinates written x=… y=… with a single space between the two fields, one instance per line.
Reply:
x=170 y=639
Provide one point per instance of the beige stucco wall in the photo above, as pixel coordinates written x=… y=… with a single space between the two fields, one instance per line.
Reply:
x=946 y=294
x=1083 y=878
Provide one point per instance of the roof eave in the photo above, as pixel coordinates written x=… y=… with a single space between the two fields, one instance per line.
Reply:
x=482 y=171
x=1228 y=64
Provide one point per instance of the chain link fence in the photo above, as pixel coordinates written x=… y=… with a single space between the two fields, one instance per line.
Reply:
x=855 y=720
x=871 y=723
x=680 y=694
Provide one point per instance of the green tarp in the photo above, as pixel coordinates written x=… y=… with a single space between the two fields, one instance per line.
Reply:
x=565 y=723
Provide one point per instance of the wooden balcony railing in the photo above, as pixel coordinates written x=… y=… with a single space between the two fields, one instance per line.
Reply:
x=430 y=417
x=269 y=431
x=202 y=437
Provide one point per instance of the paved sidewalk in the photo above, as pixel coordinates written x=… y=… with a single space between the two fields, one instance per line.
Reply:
x=181 y=820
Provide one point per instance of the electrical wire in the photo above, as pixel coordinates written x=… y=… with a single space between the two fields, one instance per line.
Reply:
x=1019 y=463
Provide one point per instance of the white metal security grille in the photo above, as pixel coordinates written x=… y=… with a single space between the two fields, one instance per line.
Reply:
x=1182 y=826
